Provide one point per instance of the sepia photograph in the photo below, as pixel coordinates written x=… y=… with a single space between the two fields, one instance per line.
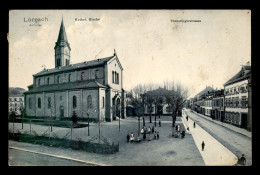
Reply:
x=129 y=87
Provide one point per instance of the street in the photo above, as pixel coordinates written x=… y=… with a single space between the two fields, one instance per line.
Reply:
x=25 y=158
x=237 y=143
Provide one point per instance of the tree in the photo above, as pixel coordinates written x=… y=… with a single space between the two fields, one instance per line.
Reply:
x=175 y=99
x=149 y=101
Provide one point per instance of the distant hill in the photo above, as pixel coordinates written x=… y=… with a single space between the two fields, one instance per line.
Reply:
x=16 y=91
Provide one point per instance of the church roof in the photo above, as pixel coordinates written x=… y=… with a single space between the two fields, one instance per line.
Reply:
x=62 y=34
x=241 y=75
x=85 y=64
x=67 y=86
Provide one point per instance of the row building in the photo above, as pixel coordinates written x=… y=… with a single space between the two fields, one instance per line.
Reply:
x=233 y=104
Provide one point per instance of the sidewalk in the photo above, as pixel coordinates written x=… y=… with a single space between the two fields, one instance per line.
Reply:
x=214 y=154
x=234 y=128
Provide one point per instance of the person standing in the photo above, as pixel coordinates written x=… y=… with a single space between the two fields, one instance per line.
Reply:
x=157 y=135
x=242 y=160
x=159 y=123
x=144 y=136
x=187 y=118
x=155 y=123
x=128 y=138
x=194 y=125
x=203 y=145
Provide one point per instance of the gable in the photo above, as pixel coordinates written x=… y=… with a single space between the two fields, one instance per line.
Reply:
x=115 y=59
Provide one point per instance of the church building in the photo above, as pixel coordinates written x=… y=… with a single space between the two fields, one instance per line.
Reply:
x=91 y=89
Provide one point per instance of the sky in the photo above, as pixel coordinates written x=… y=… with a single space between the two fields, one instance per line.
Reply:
x=150 y=46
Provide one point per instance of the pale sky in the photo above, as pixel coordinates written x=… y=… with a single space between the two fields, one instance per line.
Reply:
x=150 y=47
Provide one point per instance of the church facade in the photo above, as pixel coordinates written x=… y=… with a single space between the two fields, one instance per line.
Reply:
x=91 y=89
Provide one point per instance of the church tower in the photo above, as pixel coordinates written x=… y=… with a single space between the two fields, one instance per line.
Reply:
x=62 y=48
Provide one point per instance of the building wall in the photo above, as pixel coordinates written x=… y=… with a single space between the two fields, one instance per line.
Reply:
x=233 y=114
x=114 y=66
x=15 y=104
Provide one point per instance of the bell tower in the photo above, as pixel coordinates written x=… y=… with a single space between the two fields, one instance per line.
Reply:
x=62 y=48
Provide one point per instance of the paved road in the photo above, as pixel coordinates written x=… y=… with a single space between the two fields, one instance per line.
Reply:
x=24 y=158
x=237 y=143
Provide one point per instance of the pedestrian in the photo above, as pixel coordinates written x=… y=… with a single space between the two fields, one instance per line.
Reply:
x=153 y=129
x=183 y=134
x=144 y=136
x=132 y=137
x=194 y=125
x=157 y=135
x=159 y=123
x=203 y=145
x=242 y=160
x=128 y=137
x=176 y=127
x=142 y=130
x=155 y=123
x=187 y=118
x=149 y=130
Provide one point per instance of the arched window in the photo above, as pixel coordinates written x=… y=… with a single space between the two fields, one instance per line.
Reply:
x=58 y=79
x=89 y=101
x=69 y=77
x=74 y=101
x=30 y=103
x=96 y=74
x=39 y=103
x=48 y=80
x=82 y=75
x=113 y=77
x=49 y=102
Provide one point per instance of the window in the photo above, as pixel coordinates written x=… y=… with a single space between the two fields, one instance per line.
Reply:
x=96 y=74
x=58 y=79
x=74 y=101
x=39 y=103
x=48 y=80
x=82 y=76
x=49 y=102
x=103 y=102
x=15 y=104
x=39 y=82
x=20 y=99
x=58 y=62
x=69 y=78
x=14 y=99
x=117 y=78
x=89 y=101
x=10 y=99
x=67 y=62
x=30 y=103
x=113 y=76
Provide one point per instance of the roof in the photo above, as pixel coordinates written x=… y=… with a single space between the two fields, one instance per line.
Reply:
x=244 y=73
x=85 y=64
x=206 y=90
x=67 y=86
x=62 y=34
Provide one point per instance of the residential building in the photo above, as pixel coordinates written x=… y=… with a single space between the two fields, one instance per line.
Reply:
x=237 y=98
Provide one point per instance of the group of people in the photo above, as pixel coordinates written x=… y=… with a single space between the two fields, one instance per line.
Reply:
x=146 y=132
